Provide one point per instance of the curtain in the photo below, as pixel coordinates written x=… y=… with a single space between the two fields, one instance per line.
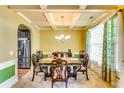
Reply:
x=88 y=35
x=120 y=49
x=120 y=40
x=96 y=47
x=109 y=50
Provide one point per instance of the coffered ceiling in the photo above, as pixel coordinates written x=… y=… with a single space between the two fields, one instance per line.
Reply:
x=75 y=17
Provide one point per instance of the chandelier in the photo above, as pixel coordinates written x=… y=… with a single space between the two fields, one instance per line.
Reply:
x=62 y=37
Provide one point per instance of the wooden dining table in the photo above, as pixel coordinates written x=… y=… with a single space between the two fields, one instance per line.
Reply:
x=70 y=62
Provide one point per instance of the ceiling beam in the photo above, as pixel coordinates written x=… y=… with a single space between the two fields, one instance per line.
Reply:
x=61 y=11
x=48 y=17
x=43 y=24
x=83 y=7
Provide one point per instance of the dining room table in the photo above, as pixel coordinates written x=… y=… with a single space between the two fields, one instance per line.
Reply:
x=71 y=63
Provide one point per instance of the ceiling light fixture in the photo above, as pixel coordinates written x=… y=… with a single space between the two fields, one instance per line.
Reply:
x=62 y=37
x=19 y=13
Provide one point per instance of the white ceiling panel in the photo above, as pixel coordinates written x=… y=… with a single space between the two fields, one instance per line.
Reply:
x=36 y=16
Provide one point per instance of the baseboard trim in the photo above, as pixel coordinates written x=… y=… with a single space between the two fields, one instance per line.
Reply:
x=10 y=82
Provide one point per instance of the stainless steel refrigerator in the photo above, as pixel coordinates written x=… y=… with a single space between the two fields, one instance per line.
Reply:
x=24 y=49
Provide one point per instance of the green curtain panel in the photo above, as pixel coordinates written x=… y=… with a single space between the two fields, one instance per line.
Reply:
x=109 y=50
x=88 y=35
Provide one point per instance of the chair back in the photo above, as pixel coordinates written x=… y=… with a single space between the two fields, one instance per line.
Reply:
x=59 y=69
x=39 y=55
x=34 y=60
x=55 y=55
x=85 y=60
x=69 y=53
x=62 y=54
x=81 y=54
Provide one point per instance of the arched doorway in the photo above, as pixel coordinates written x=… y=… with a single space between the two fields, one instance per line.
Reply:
x=24 y=47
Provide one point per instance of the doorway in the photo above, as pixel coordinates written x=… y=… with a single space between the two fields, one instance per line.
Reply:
x=24 y=50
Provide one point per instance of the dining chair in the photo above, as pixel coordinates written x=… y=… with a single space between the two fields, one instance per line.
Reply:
x=36 y=66
x=39 y=55
x=61 y=54
x=55 y=55
x=59 y=71
x=69 y=53
x=84 y=66
x=82 y=53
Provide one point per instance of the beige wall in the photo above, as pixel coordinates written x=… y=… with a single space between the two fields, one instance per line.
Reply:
x=9 y=22
x=77 y=41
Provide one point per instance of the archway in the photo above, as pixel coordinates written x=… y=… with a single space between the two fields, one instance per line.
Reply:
x=24 y=49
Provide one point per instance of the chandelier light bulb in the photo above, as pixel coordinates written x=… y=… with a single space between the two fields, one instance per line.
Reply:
x=62 y=35
x=67 y=37
x=56 y=37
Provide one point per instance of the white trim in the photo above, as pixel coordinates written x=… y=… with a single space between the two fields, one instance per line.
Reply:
x=7 y=64
x=10 y=82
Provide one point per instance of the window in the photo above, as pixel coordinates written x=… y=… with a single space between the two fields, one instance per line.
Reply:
x=96 y=44
x=95 y=47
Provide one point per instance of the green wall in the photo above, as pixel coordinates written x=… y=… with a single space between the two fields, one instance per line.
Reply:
x=7 y=73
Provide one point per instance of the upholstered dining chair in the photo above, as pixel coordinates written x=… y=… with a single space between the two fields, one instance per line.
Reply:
x=84 y=66
x=36 y=67
x=55 y=55
x=69 y=54
x=39 y=55
x=82 y=53
x=59 y=71
x=61 y=54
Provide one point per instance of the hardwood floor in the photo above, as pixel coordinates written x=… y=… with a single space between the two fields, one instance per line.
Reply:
x=22 y=72
x=81 y=82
